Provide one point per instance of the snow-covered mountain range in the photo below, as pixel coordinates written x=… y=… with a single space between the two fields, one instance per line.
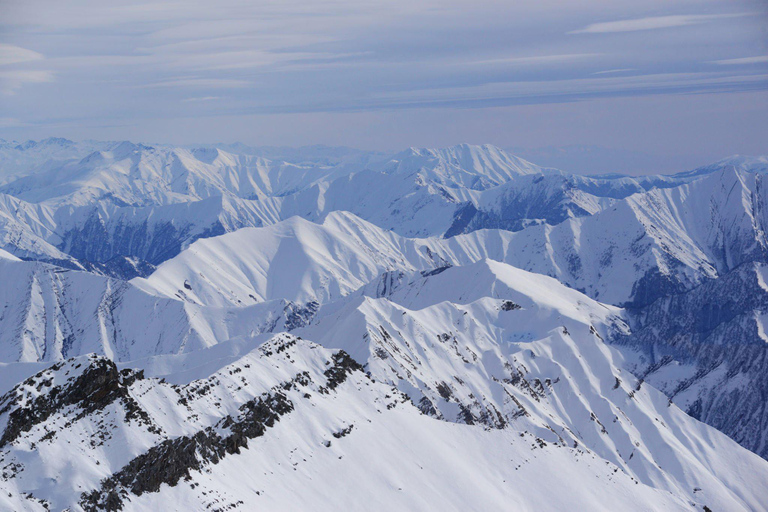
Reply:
x=227 y=327
x=148 y=203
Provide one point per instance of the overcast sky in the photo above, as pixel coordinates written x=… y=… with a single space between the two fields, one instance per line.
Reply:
x=667 y=84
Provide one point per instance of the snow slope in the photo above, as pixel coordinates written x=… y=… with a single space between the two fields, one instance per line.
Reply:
x=294 y=259
x=29 y=231
x=19 y=159
x=648 y=245
x=643 y=247
x=280 y=428
x=521 y=351
x=103 y=231
x=137 y=174
x=48 y=313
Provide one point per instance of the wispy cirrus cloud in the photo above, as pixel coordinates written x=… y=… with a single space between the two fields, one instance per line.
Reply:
x=537 y=59
x=614 y=71
x=179 y=64
x=742 y=60
x=526 y=92
x=201 y=98
x=11 y=54
x=10 y=122
x=203 y=83
x=13 y=77
x=653 y=23
x=11 y=81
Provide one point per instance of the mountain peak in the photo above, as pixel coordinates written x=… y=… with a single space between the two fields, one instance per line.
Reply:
x=125 y=149
x=753 y=164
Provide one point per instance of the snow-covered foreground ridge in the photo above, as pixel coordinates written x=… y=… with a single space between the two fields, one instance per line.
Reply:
x=283 y=424
x=436 y=329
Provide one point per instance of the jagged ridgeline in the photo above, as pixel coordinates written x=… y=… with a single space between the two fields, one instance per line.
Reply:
x=235 y=328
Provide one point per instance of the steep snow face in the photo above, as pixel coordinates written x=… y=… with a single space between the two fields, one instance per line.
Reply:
x=754 y=164
x=725 y=215
x=552 y=197
x=529 y=201
x=462 y=166
x=30 y=157
x=706 y=349
x=615 y=261
x=521 y=351
x=48 y=313
x=641 y=248
x=28 y=231
x=280 y=426
x=4 y=255
x=619 y=256
x=130 y=174
x=489 y=278
x=153 y=234
x=648 y=245
x=294 y=259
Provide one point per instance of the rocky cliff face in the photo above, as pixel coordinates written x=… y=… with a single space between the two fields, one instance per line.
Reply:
x=706 y=349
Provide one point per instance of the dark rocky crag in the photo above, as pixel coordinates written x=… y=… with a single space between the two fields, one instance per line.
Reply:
x=87 y=388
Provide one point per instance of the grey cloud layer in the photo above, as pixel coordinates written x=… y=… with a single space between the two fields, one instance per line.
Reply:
x=94 y=64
